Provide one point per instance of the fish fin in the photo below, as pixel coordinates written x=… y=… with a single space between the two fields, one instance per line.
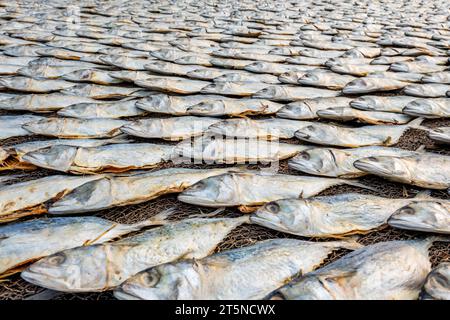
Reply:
x=89 y=242
x=208 y=215
x=350 y=243
x=248 y=209
x=387 y=141
x=340 y=278
x=158 y=219
x=425 y=194
x=358 y=184
x=421 y=148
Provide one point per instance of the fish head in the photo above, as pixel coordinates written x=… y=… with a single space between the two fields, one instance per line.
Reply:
x=186 y=60
x=91 y=196
x=421 y=107
x=419 y=215
x=78 y=90
x=338 y=113
x=285 y=214
x=316 y=133
x=289 y=77
x=164 y=54
x=69 y=270
x=269 y=92
x=58 y=157
x=364 y=103
x=159 y=283
x=211 y=192
x=214 y=107
x=357 y=86
x=75 y=110
x=296 y=110
x=200 y=74
x=309 y=78
x=399 y=67
x=151 y=127
x=314 y=161
x=79 y=75
x=217 y=87
x=417 y=90
x=255 y=66
x=154 y=103
x=383 y=166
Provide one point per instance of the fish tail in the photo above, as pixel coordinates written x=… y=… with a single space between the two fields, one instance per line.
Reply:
x=158 y=219
x=208 y=215
x=351 y=243
x=357 y=184
x=417 y=124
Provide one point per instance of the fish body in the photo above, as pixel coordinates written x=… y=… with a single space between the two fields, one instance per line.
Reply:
x=76 y=128
x=247 y=273
x=254 y=189
x=427 y=216
x=176 y=128
x=307 y=109
x=41 y=102
x=102 y=267
x=234 y=107
x=370 y=117
x=293 y=93
x=107 y=110
x=34 y=85
x=113 y=158
x=12 y=126
x=329 y=216
x=382 y=103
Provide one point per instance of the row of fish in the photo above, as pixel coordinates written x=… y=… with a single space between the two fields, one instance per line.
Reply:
x=86 y=84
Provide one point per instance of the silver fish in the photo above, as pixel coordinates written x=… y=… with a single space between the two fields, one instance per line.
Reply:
x=265 y=129
x=11 y=126
x=338 y=163
x=427 y=90
x=328 y=80
x=76 y=128
x=89 y=75
x=42 y=102
x=234 y=107
x=110 y=158
x=173 y=84
x=393 y=270
x=330 y=216
x=34 y=85
x=437 y=77
x=370 y=117
x=96 y=91
x=134 y=188
x=333 y=135
x=249 y=190
x=176 y=128
x=24 y=242
x=111 y=110
x=425 y=170
x=28 y=198
x=293 y=93
x=371 y=84
x=429 y=108
x=308 y=108
x=221 y=276
x=104 y=266
x=382 y=103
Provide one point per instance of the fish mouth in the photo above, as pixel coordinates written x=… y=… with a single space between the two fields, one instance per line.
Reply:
x=327 y=113
x=34 y=277
x=398 y=67
x=354 y=89
x=371 y=166
x=302 y=166
x=260 y=220
x=415 y=111
x=406 y=223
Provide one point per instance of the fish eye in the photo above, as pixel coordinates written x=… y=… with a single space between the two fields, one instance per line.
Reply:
x=150 y=278
x=304 y=155
x=407 y=210
x=198 y=186
x=56 y=259
x=310 y=128
x=273 y=207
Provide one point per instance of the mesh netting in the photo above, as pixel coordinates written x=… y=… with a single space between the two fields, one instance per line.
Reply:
x=16 y=288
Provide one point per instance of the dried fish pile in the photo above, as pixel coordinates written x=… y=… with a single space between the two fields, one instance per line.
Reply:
x=224 y=150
